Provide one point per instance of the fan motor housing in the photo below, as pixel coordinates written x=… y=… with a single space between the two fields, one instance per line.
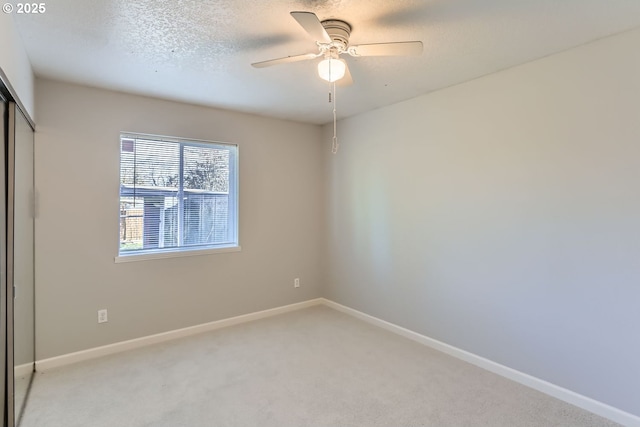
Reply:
x=339 y=31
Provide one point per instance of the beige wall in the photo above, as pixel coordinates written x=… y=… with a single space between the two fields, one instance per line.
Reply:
x=502 y=216
x=15 y=63
x=77 y=169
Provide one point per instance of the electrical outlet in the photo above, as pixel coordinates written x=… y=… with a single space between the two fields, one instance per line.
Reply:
x=102 y=316
x=296 y=282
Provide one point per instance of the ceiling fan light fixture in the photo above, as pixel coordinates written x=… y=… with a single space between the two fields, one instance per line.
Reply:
x=331 y=69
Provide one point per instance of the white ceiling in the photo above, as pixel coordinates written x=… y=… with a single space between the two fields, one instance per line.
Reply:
x=200 y=51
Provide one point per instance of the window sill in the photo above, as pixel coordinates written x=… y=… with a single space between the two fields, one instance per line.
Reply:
x=175 y=254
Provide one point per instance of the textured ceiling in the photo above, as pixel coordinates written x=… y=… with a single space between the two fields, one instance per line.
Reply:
x=200 y=51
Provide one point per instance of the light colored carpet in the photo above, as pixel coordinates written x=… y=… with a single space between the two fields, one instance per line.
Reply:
x=313 y=367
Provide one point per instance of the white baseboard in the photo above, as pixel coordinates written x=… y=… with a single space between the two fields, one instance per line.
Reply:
x=92 y=353
x=558 y=392
x=22 y=370
x=543 y=386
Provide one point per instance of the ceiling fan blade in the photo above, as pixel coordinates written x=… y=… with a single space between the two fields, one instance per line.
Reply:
x=386 y=49
x=312 y=25
x=347 y=80
x=285 y=60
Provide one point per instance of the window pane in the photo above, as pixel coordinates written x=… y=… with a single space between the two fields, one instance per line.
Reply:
x=206 y=219
x=149 y=163
x=206 y=168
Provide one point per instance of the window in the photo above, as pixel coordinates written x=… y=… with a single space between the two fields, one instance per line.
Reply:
x=176 y=195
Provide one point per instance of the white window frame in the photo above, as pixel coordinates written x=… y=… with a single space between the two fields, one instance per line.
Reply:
x=184 y=251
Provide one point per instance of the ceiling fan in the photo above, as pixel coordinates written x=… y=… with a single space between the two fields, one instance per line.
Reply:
x=332 y=39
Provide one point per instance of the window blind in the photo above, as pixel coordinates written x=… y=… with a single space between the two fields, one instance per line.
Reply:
x=176 y=194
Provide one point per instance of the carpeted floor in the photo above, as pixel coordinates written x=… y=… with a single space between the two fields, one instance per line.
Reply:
x=312 y=367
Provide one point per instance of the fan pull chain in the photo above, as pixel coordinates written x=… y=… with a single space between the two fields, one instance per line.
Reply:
x=334 y=146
